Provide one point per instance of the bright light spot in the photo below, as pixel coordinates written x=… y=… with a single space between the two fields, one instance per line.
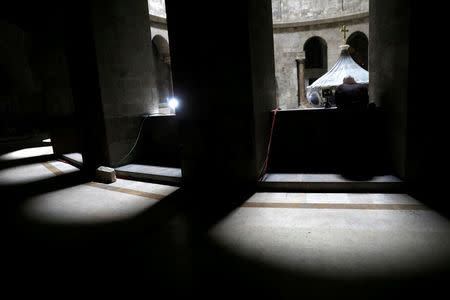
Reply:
x=47 y=141
x=173 y=103
x=82 y=204
x=28 y=152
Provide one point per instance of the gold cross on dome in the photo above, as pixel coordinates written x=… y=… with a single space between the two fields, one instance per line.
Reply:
x=344 y=30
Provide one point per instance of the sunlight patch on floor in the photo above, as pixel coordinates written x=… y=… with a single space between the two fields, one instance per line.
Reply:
x=337 y=242
x=26 y=153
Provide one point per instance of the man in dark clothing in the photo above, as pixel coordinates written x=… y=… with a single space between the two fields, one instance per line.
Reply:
x=351 y=95
x=352 y=99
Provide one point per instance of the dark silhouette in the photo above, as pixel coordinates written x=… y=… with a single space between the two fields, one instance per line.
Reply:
x=352 y=98
x=351 y=95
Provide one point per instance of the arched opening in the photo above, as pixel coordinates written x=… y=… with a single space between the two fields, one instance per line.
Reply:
x=161 y=58
x=316 y=62
x=359 y=48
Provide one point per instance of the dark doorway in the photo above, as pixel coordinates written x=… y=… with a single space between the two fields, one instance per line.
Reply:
x=316 y=53
x=359 y=48
x=161 y=57
x=316 y=62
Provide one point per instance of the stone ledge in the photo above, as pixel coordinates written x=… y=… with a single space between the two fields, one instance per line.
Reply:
x=161 y=20
x=147 y=173
x=331 y=183
x=158 y=20
x=322 y=21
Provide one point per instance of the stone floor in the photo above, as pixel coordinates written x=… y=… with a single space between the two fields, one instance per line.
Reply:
x=130 y=237
x=337 y=235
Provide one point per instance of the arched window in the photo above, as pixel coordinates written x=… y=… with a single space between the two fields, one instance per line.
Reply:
x=359 y=48
x=161 y=59
x=316 y=61
x=315 y=53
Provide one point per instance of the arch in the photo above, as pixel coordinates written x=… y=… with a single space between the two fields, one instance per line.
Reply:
x=161 y=60
x=161 y=45
x=315 y=53
x=359 y=48
x=316 y=59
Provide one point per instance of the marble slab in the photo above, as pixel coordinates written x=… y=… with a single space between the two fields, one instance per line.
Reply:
x=152 y=173
x=329 y=182
x=74 y=158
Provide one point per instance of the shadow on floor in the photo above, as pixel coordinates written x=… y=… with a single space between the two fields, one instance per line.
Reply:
x=165 y=252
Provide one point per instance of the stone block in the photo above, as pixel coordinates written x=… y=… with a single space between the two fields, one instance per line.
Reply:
x=105 y=175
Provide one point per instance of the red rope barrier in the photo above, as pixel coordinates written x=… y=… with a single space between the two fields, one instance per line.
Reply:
x=270 y=142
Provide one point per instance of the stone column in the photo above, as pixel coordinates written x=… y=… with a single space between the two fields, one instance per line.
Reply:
x=126 y=71
x=225 y=95
x=301 y=79
x=112 y=72
x=389 y=66
x=166 y=59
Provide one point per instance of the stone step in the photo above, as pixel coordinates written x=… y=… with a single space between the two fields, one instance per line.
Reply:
x=154 y=174
x=329 y=183
x=75 y=159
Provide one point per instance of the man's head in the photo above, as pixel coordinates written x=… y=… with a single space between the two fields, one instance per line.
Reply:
x=349 y=80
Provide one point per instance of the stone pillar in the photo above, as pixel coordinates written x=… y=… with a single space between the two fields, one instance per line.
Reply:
x=111 y=53
x=225 y=94
x=125 y=67
x=301 y=80
x=388 y=67
x=84 y=80
x=166 y=59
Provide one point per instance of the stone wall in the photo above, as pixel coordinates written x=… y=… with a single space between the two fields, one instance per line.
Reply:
x=305 y=10
x=289 y=42
x=158 y=28
x=297 y=21
x=20 y=93
x=157 y=8
x=34 y=81
x=126 y=71
x=390 y=29
x=158 y=24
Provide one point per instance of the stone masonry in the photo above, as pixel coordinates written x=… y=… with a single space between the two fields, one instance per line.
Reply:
x=294 y=22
